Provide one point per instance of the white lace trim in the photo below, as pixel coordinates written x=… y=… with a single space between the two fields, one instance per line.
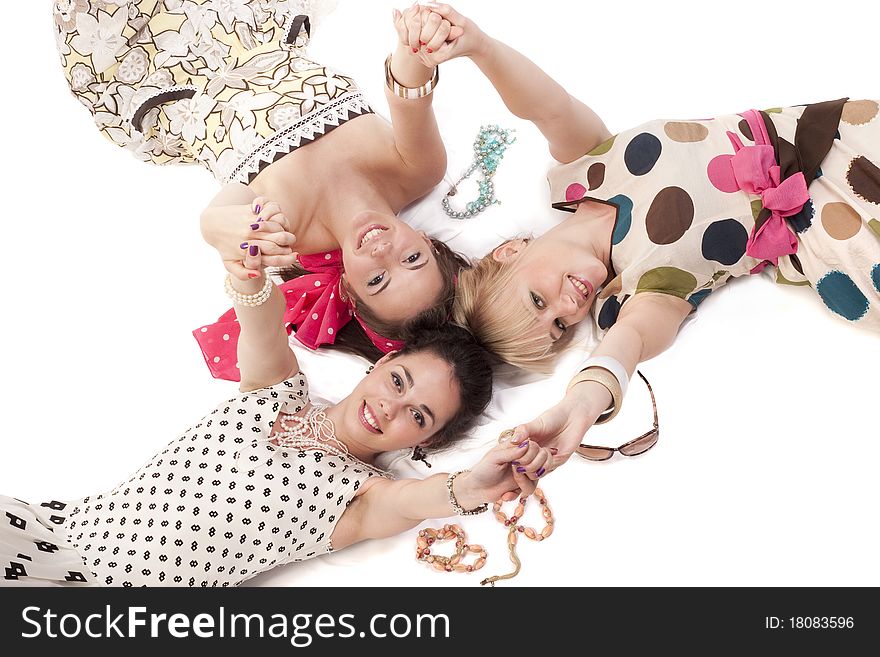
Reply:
x=288 y=139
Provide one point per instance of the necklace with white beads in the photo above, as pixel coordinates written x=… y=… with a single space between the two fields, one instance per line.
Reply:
x=314 y=431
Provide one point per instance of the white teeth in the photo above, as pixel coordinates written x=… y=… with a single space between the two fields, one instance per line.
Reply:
x=371 y=234
x=580 y=286
x=370 y=419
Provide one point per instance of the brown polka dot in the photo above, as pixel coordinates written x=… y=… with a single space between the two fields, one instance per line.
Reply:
x=840 y=220
x=596 y=175
x=859 y=112
x=611 y=289
x=863 y=177
x=685 y=131
x=670 y=215
x=746 y=129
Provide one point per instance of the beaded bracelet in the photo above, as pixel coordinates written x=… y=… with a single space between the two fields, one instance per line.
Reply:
x=458 y=508
x=409 y=93
x=249 y=300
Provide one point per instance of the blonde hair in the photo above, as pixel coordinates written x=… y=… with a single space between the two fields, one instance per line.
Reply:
x=482 y=305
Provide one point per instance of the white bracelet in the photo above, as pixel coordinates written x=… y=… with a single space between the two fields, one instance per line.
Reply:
x=249 y=300
x=612 y=365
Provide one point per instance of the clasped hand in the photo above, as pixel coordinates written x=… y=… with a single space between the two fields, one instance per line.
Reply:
x=249 y=237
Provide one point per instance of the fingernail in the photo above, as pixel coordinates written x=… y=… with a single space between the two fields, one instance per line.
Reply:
x=254 y=250
x=554 y=451
x=520 y=469
x=514 y=463
x=244 y=245
x=252 y=275
x=523 y=443
x=540 y=472
x=422 y=43
x=255 y=226
x=430 y=50
x=257 y=209
x=415 y=49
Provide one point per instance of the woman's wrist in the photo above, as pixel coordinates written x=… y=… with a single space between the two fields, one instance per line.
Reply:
x=407 y=70
x=590 y=397
x=484 y=48
x=466 y=494
x=250 y=286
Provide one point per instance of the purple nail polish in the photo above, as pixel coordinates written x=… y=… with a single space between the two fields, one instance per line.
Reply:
x=244 y=245
x=540 y=472
x=523 y=443
x=255 y=226
x=520 y=469
x=514 y=463
x=257 y=209
x=254 y=250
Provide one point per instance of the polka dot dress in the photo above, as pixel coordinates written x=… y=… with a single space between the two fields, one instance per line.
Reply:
x=683 y=223
x=217 y=506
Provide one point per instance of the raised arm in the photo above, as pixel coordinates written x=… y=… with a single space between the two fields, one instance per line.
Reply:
x=386 y=508
x=572 y=129
x=416 y=135
x=647 y=326
x=264 y=355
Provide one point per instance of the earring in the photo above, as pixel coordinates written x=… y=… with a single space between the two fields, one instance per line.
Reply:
x=418 y=454
x=369 y=369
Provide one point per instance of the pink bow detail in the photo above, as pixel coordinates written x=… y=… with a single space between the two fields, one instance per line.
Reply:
x=756 y=172
x=314 y=305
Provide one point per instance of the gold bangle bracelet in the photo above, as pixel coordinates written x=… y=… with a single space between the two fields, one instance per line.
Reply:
x=408 y=93
x=606 y=379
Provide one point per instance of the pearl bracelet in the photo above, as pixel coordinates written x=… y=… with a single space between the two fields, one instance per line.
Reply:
x=453 y=502
x=408 y=93
x=249 y=300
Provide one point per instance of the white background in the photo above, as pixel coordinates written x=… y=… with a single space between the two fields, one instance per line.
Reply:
x=765 y=471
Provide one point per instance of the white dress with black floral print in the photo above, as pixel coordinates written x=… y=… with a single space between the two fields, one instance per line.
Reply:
x=217 y=506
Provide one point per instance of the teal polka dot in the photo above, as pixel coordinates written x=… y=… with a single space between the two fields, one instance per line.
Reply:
x=875 y=276
x=698 y=297
x=624 y=217
x=842 y=296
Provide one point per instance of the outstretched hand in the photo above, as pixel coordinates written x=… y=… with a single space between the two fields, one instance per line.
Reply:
x=559 y=429
x=508 y=471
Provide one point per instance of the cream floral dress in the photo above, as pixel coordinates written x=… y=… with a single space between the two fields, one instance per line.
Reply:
x=223 y=83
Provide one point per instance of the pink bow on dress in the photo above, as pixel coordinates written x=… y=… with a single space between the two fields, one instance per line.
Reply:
x=314 y=305
x=756 y=172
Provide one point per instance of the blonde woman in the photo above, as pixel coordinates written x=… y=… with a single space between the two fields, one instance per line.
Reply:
x=662 y=215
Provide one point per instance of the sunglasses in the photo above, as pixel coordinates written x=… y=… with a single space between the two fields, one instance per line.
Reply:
x=634 y=447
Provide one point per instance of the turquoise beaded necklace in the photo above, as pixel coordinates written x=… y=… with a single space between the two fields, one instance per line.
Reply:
x=489 y=147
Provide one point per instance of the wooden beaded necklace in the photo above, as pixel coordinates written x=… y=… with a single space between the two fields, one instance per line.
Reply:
x=454 y=563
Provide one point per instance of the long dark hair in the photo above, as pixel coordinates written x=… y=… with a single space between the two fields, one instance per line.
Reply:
x=351 y=337
x=471 y=367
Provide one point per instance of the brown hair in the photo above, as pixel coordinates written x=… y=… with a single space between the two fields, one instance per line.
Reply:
x=351 y=338
x=471 y=368
x=482 y=306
